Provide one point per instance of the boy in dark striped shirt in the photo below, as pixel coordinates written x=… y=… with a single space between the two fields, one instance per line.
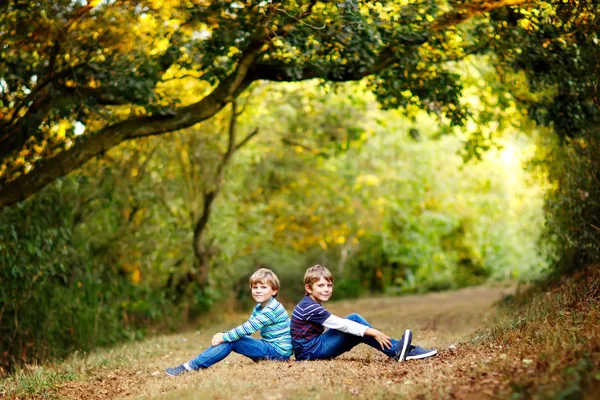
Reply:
x=310 y=319
x=268 y=316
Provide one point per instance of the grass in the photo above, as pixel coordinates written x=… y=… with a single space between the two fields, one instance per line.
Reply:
x=541 y=343
x=553 y=332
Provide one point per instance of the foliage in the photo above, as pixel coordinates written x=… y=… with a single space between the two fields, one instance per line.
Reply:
x=391 y=212
x=557 y=47
x=71 y=271
x=573 y=206
x=557 y=53
x=78 y=80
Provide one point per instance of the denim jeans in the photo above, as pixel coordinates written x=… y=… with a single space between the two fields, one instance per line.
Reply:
x=247 y=346
x=334 y=343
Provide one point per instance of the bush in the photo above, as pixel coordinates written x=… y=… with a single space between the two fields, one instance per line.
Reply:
x=573 y=206
x=348 y=289
x=58 y=294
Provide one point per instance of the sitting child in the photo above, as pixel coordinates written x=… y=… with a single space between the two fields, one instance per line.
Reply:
x=269 y=316
x=310 y=319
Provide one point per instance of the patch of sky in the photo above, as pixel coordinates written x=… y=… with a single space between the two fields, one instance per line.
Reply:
x=78 y=128
x=201 y=34
x=93 y=3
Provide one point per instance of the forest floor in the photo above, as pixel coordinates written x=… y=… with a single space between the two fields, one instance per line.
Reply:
x=483 y=353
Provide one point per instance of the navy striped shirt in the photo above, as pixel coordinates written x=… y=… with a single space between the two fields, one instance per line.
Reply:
x=307 y=324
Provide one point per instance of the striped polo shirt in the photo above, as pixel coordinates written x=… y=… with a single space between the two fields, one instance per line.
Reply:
x=274 y=325
x=307 y=324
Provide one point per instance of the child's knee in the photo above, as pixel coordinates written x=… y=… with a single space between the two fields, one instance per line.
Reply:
x=355 y=317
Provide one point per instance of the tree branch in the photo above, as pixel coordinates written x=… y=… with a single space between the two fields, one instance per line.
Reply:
x=312 y=150
x=247 y=139
x=135 y=127
x=470 y=10
x=387 y=57
x=247 y=71
x=98 y=94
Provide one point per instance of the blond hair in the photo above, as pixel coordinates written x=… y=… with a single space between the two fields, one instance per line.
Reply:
x=266 y=276
x=316 y=272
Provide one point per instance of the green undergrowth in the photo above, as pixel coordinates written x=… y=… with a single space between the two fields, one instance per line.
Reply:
x=41 y=381
x=552 y=332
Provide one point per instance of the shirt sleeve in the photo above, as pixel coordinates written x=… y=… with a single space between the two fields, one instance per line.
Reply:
x=345 y=325
x=256 y=322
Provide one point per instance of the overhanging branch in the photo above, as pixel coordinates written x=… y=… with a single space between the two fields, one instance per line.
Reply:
x=245 y=73
x=94 y=145
x=470 y=10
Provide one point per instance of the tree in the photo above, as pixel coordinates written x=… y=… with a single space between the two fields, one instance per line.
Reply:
x=203 y=201
x=104 y=67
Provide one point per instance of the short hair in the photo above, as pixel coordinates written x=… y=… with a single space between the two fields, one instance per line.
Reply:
x=316 y=272
x=265 y=275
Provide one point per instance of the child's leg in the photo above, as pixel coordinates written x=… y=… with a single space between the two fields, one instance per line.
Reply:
x=257 y=349
x=247 y=346
x=391 y=352
x=334 y=343
x=211 y=356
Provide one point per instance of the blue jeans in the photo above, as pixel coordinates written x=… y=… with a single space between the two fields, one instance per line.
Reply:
x=334 y=343
x=247 y=346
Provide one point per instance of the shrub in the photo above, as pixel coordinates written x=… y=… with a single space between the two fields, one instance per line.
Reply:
x=573 y=206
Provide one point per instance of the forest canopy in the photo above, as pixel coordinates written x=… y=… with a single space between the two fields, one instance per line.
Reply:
x=77 y=78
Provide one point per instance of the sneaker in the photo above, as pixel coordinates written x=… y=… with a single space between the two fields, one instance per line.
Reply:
x=417 y=352
x=176 y=371
x=404 y=345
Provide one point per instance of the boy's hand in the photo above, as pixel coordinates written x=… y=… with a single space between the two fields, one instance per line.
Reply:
x=384 y=340
x=217 y=339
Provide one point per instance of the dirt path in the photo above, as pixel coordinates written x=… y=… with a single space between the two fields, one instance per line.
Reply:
x=437 y=320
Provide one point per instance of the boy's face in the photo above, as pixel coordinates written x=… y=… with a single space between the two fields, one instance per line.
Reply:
x=262 y=293
x=320 y=291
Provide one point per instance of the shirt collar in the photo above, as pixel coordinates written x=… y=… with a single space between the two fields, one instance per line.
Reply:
x=258 y=307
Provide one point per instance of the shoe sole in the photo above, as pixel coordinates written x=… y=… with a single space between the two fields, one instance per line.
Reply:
x=424 y=355
x=406 y=345
x=170 y=374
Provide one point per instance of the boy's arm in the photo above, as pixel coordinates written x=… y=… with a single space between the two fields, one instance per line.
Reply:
x=345 y=325
x=354 y=328
x=384 y=340
x=256 y=322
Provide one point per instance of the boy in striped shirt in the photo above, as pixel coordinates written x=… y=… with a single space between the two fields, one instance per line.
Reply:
x=268 y=316
x=310 y=319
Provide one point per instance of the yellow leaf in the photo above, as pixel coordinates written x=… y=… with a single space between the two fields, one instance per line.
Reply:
x=136 y=276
